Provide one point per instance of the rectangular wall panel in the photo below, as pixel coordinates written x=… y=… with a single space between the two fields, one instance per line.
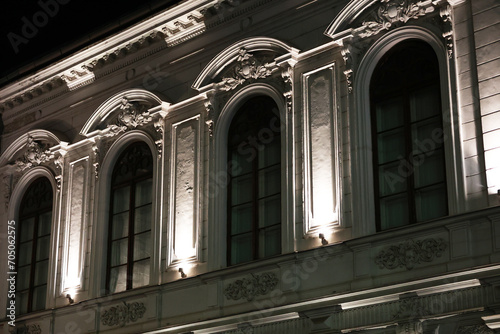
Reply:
x=75 y=225
x=321 y=191
x=185 y=189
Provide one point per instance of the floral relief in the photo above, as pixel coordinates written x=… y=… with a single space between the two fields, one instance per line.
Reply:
x=410 y=253
x=123 y=314
x=249 y=288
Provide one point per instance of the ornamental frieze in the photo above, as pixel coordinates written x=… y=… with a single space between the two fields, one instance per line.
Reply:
x=390 y=12
x=123 y=314
x=249 y=288
x=409 y=253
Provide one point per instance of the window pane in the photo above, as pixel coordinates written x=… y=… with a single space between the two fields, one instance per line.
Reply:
x=23 y=278
x=427 y=135
x=394 y=211
x=39 y=294
x=26 y=229
x=270 y=241
x=270 y=211
x=241 y=189
x=42 y=248
x=271 y=154
x=391 y=146
x=141 y=274
x=142 y=246
x=241 y=219
x=119 y=228
x=44 y=224
x=240 y=161
x=142 y=221
x=241 y=248
x=392 y=178
x=121 y=199
x=24 y=253
x=431 y=202
x=430 y=170
x=22 y=302
x=41 y=272
x=425 y=103
x=390 y=114
x=118 y=279
x=269 y=181
x=119 y=251
x=143 y=192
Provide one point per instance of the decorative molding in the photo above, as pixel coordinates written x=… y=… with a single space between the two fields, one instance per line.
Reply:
x=123 y=314
x=390 y=12
x=414 y=327
x=246 y=68
x=410 y=253
x=28 y=329
x=410 y=307
x=445 y=14
x=78 y=77
x=474 y=329
x=35 y=154
x=249 y=288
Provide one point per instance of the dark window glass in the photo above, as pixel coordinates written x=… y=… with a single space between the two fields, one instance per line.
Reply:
x=129 y=234
x=254 y=192
x=407 y=129
x=33 y=247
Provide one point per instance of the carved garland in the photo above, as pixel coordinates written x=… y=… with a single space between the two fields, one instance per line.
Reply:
x=249 y=288
x=410 y=253
x=123 y=314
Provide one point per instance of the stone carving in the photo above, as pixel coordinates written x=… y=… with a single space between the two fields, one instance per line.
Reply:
x=410 y=328
x=123 y=314
x=474 y=329
x=445 y=14
x=247 y=67
x=35 y=154
x=131 y=115
x=75 y=78
x=249 y=288
x=410 y=308
x=28 y=329
x=410 y=253
x=393 y=11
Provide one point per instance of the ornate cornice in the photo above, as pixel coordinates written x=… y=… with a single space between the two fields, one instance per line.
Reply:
x=123 y=314
x=249 y=288
x=409 y=253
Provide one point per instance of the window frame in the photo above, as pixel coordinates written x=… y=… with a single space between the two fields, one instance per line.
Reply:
x=131 y=222
x=361 y=133
x=217 y=183
x=102 y=195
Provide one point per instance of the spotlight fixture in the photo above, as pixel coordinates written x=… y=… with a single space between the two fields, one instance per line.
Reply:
x=324 y=242
x=183 y=275
x=68 y=296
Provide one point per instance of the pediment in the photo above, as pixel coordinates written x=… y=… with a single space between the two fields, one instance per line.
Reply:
x=369 y=17
x=126 y=110
x=247 y=60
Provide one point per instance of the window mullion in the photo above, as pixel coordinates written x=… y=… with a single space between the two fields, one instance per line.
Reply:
x=255 y=206
x=33 y=264
x=130 y=252
x=410 y=181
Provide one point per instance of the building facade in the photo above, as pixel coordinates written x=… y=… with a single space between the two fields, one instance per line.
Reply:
x=260 y=166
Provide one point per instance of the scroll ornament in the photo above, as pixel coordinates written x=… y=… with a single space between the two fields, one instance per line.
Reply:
x=410 y=253
x=123 y=314
x=249 y=288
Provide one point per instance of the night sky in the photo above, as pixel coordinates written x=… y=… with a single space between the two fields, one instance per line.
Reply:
x=35 y=32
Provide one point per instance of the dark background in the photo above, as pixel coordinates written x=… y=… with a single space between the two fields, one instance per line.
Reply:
x=72 y=25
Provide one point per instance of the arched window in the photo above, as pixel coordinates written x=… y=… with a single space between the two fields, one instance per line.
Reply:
x=33 y=246
x=407 y=134
x=254 y=192
x=129 y=233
